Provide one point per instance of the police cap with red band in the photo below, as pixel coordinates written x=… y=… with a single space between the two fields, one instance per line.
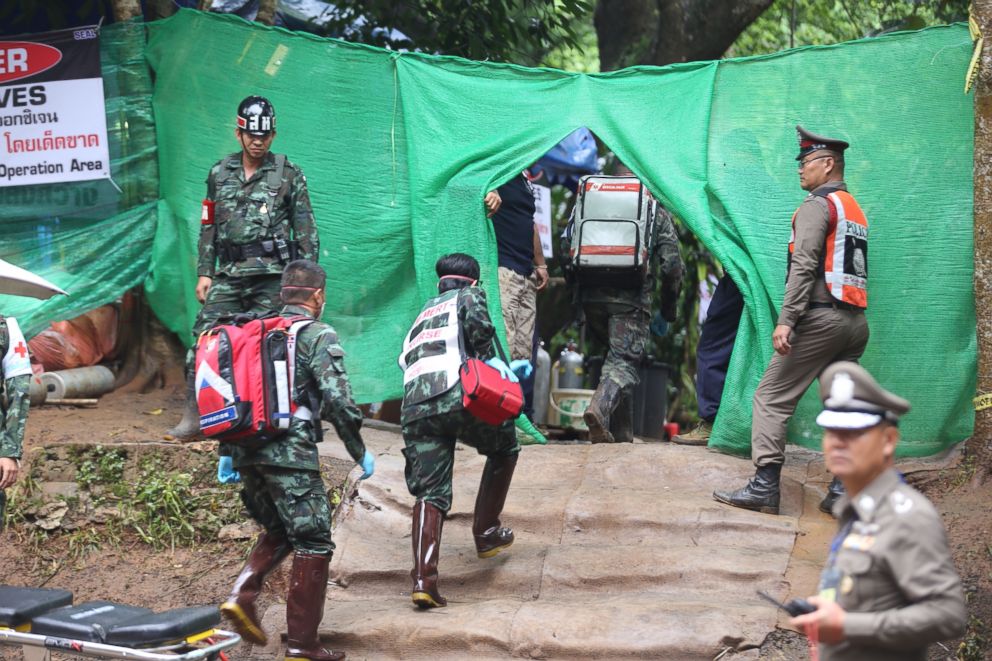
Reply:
x=811 y=142
x=256 y=116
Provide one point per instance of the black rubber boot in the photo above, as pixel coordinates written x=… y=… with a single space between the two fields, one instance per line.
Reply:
x=490 y=536
x=622 y=424
x=189 y=426
x=597 y=416
x=834 y=492
x=761 y=493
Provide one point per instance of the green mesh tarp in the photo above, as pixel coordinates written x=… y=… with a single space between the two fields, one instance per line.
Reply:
x=399 y=150
x=92 y=238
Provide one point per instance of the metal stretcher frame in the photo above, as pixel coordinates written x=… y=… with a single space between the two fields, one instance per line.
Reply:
x=39 y=648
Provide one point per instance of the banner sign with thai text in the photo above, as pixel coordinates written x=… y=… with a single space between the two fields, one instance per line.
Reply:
x=52 y=116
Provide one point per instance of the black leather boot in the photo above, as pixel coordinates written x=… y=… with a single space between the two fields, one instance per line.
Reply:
x=490 y=536
x=239 y=609
x=305 y=609
x=761 y=493
x=834 y=492
x=427 y=523
x=597 y=416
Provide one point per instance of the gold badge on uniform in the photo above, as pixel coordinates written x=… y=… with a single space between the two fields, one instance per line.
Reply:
x=846 y=585
x=859 y=542
x=263 y=208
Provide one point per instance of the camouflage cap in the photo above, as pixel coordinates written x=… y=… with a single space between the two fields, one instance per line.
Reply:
x=852 y=399
x=811 y=142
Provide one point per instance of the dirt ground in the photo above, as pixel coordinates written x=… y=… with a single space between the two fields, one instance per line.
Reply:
x=98 y=554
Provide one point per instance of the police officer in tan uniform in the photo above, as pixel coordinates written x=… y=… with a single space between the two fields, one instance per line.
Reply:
x=889 y=588
x=822 y=319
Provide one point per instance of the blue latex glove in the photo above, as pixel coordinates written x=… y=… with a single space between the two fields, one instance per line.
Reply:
x=659 y=326
x=368 y=465
x=225 y=471
x=522 y=368
x=504 y=369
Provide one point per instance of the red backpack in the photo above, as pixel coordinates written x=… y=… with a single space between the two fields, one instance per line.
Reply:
x=244 y=377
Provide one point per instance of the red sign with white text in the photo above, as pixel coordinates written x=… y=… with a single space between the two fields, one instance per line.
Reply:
x=53 y=123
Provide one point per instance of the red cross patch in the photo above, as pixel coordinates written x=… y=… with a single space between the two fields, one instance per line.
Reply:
x=21 y=350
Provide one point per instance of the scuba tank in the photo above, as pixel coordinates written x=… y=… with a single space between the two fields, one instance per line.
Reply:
x=569 y=368
x=542 y=385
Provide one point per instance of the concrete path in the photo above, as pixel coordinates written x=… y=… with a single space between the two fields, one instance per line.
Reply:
x=620 y=553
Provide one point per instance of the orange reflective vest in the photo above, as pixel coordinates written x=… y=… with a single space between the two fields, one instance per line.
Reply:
x=845 y=255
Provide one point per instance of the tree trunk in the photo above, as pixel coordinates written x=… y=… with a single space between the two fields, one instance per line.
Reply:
x=980 y=445
x=664 y=31
x=156 y=9
x=125 y=10
x=266 y=12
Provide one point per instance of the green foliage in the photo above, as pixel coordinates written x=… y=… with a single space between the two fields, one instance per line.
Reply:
x=101 y=466
x=501 y=30
x=19 y=497
x=166 y=509
x=581 y=56
x=793 y=23
x=974 y=644
x=83 y=542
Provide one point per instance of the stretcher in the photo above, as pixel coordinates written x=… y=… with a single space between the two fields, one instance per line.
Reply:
x=41 y=621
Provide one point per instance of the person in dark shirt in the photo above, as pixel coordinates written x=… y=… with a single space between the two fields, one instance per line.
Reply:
x=522 y=273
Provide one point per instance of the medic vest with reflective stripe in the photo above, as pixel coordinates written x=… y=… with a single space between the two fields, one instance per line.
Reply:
x=431 y=356
x=845 y=255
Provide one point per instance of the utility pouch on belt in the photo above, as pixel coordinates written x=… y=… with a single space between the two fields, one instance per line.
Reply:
x=485 y=393
x=282 y=249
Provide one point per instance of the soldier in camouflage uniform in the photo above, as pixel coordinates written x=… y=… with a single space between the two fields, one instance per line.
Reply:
x=15 y=377
x=256 y=218
x=623 y=316
x=433 y=418
x=283 y=490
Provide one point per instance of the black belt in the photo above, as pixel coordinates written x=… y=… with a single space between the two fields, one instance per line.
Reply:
x=260 y=249
x=284 y=251
x=836 y=306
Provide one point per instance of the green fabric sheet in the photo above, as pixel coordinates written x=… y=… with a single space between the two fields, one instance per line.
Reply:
x=399 y=149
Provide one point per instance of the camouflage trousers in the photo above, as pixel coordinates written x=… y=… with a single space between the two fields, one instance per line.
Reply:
x=430 y=451
x=625 y=327
x=227 y=295
x=289 y=502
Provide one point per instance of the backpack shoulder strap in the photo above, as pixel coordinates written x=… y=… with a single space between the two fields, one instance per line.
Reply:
x=275 y=175
x=274 y=181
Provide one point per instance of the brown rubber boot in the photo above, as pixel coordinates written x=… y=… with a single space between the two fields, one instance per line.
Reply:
x=490 y=537
x=189 y=425
x=239 y=609
x=305 y=609
x=597 y=416
x=427 y=523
